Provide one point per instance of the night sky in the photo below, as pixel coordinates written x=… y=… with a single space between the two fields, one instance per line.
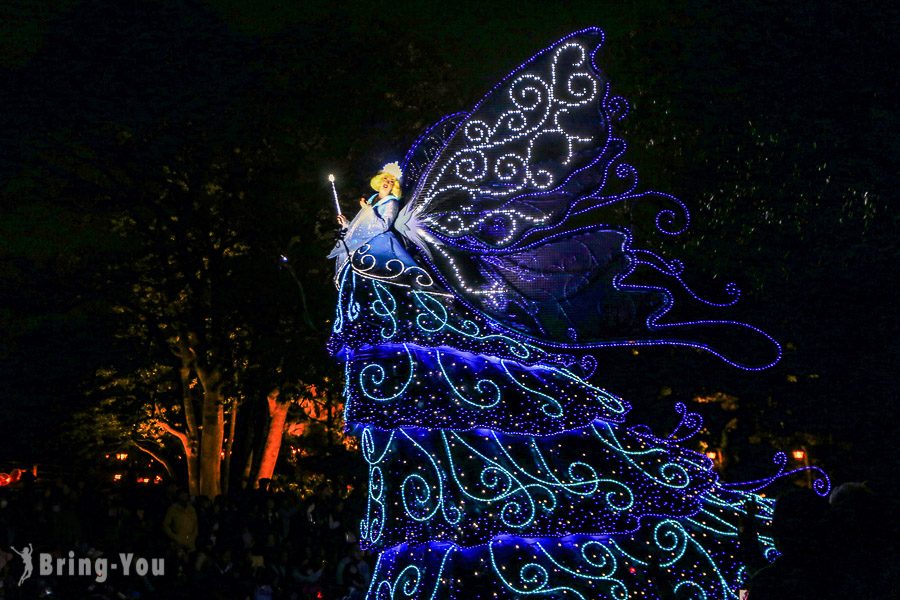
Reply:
x=775 y=124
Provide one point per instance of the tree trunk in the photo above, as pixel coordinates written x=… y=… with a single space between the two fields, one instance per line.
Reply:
x=211 y=439
x=248 y=467
x=277 y=416
x=229 y=444
x=190 y=436
x=189 y=445
x=193 y=470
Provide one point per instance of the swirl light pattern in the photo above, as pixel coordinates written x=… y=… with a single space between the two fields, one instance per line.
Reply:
x=465 y=487
x=682 y=557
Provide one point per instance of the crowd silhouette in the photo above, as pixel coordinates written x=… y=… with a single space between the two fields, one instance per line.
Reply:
x=266 y=545
x=840 y=547
x=254 y=545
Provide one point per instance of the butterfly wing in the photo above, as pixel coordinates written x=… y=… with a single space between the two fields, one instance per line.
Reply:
x=518 y=206
x=427 y=146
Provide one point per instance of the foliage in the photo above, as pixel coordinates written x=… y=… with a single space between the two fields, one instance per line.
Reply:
x=204 y=229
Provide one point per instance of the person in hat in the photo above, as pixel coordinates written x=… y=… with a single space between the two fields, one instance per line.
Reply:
x=369 y=233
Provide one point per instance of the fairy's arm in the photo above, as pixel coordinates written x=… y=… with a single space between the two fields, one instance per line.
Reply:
x=387 y=213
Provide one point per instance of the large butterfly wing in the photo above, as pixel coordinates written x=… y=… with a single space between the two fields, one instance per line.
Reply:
x=423 y=152
x=543 y=124
x=516 y=207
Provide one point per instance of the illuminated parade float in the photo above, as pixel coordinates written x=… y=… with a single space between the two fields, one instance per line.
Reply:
x=476 y=287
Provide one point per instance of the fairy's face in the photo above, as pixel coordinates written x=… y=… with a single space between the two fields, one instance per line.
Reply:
x=387 y=183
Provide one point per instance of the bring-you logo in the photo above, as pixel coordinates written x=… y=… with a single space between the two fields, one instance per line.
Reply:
x=98 y=567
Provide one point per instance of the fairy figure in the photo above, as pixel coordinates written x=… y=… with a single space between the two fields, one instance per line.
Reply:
x=371 y=230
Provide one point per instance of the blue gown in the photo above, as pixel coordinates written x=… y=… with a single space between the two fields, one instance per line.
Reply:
x=370 y=234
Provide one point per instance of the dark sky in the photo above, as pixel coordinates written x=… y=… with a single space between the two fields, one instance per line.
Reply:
x=481 y=41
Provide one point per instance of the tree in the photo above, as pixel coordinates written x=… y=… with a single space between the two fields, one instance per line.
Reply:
x=186 y=197
x=202 y=298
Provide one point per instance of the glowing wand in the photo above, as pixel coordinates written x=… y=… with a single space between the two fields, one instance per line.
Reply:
x=337 y=205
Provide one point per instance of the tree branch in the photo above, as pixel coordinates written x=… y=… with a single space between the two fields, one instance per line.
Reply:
x=172 y=430
x=156 y=457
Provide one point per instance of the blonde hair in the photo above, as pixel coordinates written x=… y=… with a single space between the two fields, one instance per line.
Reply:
x=376 y=183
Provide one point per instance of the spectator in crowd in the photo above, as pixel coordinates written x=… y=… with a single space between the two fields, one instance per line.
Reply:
x=180 y=523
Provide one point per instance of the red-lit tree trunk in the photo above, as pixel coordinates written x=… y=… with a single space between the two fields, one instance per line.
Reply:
x=278 y=411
